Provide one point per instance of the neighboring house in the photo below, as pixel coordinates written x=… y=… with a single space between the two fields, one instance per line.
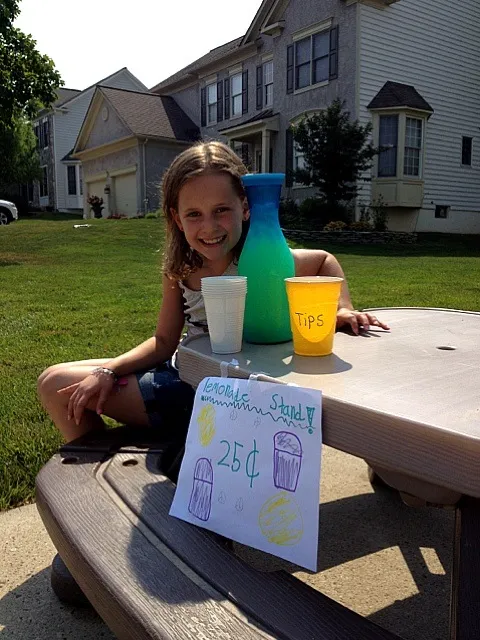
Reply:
x=126 y=142
x=410 y=67
x=60 y=186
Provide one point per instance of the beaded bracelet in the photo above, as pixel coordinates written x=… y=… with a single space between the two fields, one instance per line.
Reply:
x=106 y=371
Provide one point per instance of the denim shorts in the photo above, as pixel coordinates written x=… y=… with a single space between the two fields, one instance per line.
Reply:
x=168 y=400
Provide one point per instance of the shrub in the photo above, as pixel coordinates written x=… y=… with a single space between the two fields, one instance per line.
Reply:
x=315 y=212
x=379 y=214
x=96 y=205
x=364 y=214
x=335 y=225
x=152 y=214
x=360 y=225
x=311 y=208
x=289 y=213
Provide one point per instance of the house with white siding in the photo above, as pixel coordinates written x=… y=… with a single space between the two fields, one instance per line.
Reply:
x=430 y=178
x=61 y=185
x=409 y=67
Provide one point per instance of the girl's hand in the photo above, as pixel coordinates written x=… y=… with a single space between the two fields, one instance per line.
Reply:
x=95 y=384
x=358 y=320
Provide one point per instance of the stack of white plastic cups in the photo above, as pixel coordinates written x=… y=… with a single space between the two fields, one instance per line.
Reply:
x=224 y=298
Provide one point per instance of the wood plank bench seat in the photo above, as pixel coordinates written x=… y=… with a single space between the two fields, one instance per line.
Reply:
x=105 y=500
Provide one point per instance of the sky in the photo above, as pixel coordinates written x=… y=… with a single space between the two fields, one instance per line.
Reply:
x=91 y=39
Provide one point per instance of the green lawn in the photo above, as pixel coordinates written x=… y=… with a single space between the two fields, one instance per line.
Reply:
x=68 y=294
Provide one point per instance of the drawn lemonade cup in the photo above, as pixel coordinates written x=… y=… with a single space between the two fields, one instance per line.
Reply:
x=313 y=303
x=201 y=497
x=287 y=460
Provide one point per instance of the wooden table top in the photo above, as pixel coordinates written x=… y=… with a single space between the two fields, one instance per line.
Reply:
x=407 y=399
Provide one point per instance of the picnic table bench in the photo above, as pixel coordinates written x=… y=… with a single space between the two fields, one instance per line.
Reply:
x=104 y=500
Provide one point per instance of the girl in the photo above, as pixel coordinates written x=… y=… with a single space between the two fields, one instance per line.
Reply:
x=206 y=212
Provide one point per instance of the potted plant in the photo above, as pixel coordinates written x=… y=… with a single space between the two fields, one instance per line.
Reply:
x=96 y=205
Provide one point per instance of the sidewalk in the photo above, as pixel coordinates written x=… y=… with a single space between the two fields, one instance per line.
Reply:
x=380 y=558
x=28 y=607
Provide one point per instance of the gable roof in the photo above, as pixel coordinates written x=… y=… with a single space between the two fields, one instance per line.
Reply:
x=268 y=12
x=63 y=95
x=151 y=115
x=211 y=56
x=395 y=94
x=69 y=157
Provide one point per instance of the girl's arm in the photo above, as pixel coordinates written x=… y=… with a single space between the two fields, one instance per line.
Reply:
x=315 y=262
x=163 y=344
x=146 y=355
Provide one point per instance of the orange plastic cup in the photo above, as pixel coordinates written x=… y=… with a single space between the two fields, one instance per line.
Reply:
x=313 y=303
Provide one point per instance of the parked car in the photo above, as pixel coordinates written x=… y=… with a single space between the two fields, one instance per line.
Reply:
x=8 y=212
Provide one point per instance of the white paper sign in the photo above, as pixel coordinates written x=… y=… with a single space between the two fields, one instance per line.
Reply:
x=251 y=470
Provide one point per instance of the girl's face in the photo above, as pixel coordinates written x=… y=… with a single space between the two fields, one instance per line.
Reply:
x=210 y=214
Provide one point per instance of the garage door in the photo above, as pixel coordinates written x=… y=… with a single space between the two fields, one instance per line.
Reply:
x=126 y=194
x=97 y=189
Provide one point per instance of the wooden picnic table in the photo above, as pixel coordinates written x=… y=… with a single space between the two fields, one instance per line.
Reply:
x=408 y=401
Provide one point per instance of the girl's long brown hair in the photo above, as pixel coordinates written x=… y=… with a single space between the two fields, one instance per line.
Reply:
x=204 y=157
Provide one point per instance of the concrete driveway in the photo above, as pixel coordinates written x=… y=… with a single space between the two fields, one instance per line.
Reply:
x=386 y=561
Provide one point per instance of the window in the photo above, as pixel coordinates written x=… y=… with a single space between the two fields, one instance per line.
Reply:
x=37 y=134
x=312 y=60
x=387 y=159
x=236 y=87
x=80 y=180
x=441 y=211
x=72 y=180
x=268 y=83
x=303 y=63
x=44 y=183
x=212 y=103
x=298 y=158
x=467 y=151
x=413 y=147
x=320 y=50
x=45 y=133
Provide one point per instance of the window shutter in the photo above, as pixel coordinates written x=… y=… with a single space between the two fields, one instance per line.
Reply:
x=289 y=158
x=290 y=68
x=245 y=92
x=333 y=69
x=203 y=107
x=220 y=101
x=226 y=94
x=259 y=87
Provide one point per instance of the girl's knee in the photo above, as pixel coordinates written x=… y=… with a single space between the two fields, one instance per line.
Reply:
x=48 y=380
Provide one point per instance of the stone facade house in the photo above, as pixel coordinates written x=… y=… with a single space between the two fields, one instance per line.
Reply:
x=411 y=71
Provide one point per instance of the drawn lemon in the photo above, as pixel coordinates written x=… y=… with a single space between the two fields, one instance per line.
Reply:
x=281 y=521
x=206 y=424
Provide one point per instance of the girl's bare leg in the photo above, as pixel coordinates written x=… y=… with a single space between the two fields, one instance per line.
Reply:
x=125 y=404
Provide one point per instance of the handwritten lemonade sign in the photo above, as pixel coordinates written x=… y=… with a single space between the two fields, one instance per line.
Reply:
x=251 y=469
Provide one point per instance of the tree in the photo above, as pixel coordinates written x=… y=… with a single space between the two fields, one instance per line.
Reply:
x=28 y=79
x=18 y=154
x=337 y=151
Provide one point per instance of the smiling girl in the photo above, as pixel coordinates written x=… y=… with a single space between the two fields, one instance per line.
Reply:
x=207 y=213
